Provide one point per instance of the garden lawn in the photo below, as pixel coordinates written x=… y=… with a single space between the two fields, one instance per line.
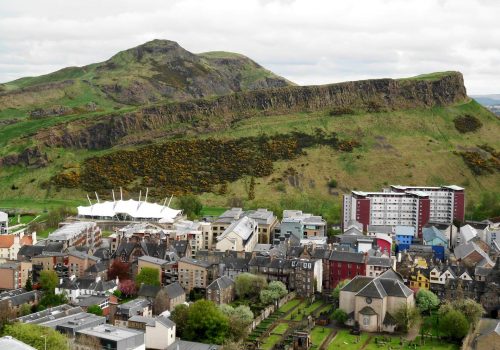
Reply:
x=345 y=341
x=270 y=341
x=280 y=328
x=429 y=345
x=319 y=334
x=290 y=305
x=308 y=310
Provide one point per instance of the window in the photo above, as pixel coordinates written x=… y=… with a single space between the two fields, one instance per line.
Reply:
x=366 y=321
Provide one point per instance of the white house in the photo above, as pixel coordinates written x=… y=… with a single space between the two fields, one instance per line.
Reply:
x=159 y=331
x=4 y=222
x=241 y=235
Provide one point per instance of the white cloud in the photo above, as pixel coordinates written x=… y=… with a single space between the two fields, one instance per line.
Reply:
x=309 y=42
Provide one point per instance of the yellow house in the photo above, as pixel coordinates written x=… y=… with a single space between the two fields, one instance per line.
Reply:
x=418 y=280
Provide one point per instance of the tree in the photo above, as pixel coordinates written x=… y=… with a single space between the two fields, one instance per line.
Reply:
x=119 y=269
x=148 y=276
x=51 y=300
x=88 y=342
x=248 y=286
x=407 y=316
x=95 y=309
x=28 y=286
x=190 y=205
x=239 y=320
x=268 y=296
x=6 y=313
x=179 y=316
x=206 y=323
x=426 y=300
x=160 y=303
x=454 y=325
x=127 y=288
x=49 y=281
x=340 y=316
x=470 y=309
x=278 y=287
x=336 y=290
x=251 y=189
x=25 y=309
x=31 y=334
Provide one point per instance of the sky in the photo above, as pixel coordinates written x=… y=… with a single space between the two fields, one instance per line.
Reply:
x=306 y=41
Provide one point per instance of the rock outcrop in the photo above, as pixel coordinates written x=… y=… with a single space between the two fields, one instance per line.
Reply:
x=32 y=157
x=221 y=112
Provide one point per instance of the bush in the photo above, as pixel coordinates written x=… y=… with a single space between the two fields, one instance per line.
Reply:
x=332 y=183
x=341 y=111
x=467 y=123
x=454 y=325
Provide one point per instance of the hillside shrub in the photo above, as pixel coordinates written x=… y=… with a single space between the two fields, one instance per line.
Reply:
x=467 y=123
x=196 y=166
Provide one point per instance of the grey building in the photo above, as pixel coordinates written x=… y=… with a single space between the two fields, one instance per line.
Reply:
x=115 y=338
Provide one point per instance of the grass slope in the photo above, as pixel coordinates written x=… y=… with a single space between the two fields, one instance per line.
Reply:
x=401 y=147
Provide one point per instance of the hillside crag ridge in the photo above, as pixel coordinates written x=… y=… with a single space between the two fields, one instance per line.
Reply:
x=219 y=113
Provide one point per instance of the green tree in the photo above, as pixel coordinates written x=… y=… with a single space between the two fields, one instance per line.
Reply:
x=25 y=309
x=239 y=320
x=190 y=205
x=278 y=287
x=206 y=323
x=251 y=189
x=28 y=286
x=470 y=309
x=95 y=309
x=51 y=300
x=35 y=335
x=149 y=276
x=340 y=316
x=336 y=290
x=179 y=316
x=268 y=296
x=407 y=316
x=248 y=286
x=454 y=325
x=426 y=300
x=49 y=281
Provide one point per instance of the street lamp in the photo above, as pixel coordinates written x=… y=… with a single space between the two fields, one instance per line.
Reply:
x=45 y=338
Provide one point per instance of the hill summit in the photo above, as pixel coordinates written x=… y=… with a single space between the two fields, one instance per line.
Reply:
x=151 y=72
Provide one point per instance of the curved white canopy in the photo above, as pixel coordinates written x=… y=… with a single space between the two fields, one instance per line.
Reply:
x=134 y=209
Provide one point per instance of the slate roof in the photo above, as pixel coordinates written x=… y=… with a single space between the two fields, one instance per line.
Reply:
x=131 y=307
x=20 y=296
x=148 y=291
x=373 y=289
x=149 y=321
x=352 y=257
x=196 y=262
x=220 y=283
x=174 y=290
x=180 y=247
x=431 y=233
x=86 y=301
x=389 y=320
x=167 y=322
x=233 y=263
x=189 y=345
x=389 y=283
x=379 y=261
x=295 y=252
x=367 y=310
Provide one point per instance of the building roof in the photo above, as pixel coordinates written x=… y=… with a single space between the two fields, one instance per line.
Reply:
x=112 y=333
x=89 y=300
x=405 y=231
x=131 y=307
x=20 y=296
x=468 y=232
x=431 y=233
x=174 y=290
x=50 y=314
x=197 y=262
x=244 y=228
x=380 y=229
x=379 y=261
x=389 y=283
x=148 y=291
x=76 y=322
x=262 y=216
x=10 y=343
x=149 y=321
x=134 y=209
x=352 y=257
x=6 y=241
x=153 y=260
x=70 y=230
x=220 y=283
x=189 y=345
x=367 y=310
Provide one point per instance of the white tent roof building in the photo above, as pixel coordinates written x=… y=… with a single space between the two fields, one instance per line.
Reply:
x=130 y=210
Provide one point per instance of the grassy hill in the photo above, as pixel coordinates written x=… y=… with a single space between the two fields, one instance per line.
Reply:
x=301 y=147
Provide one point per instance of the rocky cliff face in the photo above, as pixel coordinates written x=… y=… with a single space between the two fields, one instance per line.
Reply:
x=219 y=113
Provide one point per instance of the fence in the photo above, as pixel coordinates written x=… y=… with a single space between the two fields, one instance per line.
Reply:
x=269 y=310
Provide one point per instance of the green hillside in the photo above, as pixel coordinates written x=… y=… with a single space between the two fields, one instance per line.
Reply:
x=222 y=127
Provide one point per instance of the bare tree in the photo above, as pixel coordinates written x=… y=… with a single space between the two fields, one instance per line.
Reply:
x=161 y=302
